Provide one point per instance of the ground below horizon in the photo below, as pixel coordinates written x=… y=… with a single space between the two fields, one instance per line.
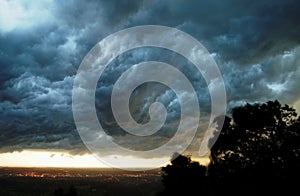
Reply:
x=89 y=182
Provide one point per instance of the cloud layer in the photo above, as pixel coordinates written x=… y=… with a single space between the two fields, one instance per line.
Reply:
x=256 y=45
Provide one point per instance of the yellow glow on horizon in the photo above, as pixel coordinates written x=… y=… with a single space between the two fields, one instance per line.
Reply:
x=39 y=158
x=42 y=158
x=202 y=160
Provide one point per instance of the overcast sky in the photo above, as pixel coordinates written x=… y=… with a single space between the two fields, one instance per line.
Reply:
x=42 y=43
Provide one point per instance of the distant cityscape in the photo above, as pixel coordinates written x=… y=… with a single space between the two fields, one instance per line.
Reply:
x=86 y=181
x=106 y=174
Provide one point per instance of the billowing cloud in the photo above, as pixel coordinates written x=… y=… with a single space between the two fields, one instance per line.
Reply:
x=256 y=45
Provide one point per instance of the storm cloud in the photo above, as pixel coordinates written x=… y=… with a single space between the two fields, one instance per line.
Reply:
x=255 y=43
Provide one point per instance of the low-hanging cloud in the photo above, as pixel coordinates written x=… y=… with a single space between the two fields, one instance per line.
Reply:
x=256 y=45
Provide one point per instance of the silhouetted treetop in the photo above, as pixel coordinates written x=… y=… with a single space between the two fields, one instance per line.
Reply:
x=262 y=138
x=257 y=152
x=182 y=174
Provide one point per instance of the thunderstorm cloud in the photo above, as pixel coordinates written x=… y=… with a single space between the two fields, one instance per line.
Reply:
x=256 y=45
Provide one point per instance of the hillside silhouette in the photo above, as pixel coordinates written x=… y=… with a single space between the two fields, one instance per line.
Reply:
x=256 y=153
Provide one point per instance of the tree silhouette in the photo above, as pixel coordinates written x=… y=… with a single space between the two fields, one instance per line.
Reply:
x=182 y=175
x=259 y=144
x=257 y=152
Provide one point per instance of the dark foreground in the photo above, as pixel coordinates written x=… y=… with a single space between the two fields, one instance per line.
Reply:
x=66 y=181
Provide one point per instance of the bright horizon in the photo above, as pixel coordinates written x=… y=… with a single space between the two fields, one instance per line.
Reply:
x=52 y=158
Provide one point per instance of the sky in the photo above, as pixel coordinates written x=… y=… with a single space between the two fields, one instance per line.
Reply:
x=256 y=45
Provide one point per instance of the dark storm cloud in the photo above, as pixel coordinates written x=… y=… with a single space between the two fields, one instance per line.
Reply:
x=276 y=77
x=38 y=61
x=36 y=114
x=262 y=35
x=255 y=43
x=243 y=31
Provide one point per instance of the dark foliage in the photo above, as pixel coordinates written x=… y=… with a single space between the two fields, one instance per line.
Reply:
x=182 y=175
x=257 y=152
